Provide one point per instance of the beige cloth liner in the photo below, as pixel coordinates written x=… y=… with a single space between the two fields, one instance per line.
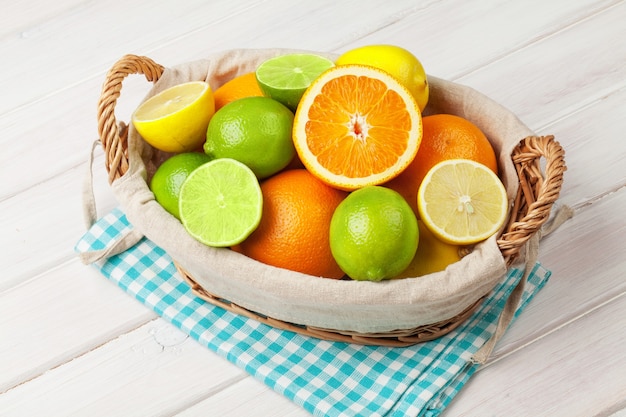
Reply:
x=364 y=307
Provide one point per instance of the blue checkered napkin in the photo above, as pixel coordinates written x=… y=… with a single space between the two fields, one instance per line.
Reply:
x=326 y=378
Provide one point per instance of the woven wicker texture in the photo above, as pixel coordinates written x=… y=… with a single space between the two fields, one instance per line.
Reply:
x=539 y=189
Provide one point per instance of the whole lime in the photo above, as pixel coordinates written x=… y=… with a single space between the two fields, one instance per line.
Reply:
x=373 y=234
x=255 y=131
x=170 y=175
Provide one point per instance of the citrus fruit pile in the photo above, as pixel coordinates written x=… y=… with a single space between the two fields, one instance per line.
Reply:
x=326 y=167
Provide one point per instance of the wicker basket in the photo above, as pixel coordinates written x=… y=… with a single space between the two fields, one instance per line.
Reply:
x=539 y=187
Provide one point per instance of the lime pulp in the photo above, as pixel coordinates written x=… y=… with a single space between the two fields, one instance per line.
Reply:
x=221 y=203
x=285 y=78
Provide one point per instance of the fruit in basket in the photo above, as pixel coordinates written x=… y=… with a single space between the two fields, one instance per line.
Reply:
x=398 y=62
x=294 y=229
x=462 y=202
x=285 y=77
x=356 y=126
x=445 y=136
x=170 y=175
x=221 y=202
x=432 y=255
x=239 y=87
x=373 y=234
x=255 y=131
x=175 y=120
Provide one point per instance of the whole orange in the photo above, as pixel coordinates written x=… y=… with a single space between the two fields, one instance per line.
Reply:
x=294 y=229
x=239 y=87
x=445 y=136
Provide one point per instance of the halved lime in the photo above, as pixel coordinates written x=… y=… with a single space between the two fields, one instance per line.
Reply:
x=221 y=203
x=285 y=77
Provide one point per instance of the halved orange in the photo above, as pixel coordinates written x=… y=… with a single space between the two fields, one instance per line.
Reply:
x=355 y=126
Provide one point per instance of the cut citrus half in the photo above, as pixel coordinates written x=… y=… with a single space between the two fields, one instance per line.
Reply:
x=220 y=202
x=285 y=77
x=176 y=119
x=355 y=126
x=462 y=202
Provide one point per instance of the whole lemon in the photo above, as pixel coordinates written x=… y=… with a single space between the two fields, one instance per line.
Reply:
x=432 y=255
x=255 y=131
x=397 y=61
x=373 y=234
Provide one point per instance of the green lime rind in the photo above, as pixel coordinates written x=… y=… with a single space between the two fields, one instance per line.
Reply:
x=373 y=234
x=221 y=203
x=286 y=77
x=255 y=131
x=170 y=176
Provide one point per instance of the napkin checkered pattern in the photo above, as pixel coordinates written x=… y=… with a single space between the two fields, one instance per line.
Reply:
x=325 y=378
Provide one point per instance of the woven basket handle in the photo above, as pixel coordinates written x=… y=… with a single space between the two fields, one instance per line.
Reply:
x=113 y=136
x=538 y=191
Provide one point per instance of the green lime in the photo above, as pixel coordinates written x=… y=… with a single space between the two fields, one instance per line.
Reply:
x=170 y=175
x=255 y=131
x=221 y=203
x=286 y=77
x=373 y=234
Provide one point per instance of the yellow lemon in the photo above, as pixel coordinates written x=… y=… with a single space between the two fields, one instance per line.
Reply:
x=432 y=255
x=176 y=119
x=398 y=62
x=462 y=201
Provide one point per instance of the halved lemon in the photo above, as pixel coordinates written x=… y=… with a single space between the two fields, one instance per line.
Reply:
x=355 y=126
x=462 y=202
x=176 y=119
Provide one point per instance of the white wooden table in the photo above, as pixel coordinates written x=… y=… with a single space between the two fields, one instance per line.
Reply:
x=71 y=343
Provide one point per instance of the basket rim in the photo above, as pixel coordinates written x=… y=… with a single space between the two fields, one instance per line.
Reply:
x=396 y=338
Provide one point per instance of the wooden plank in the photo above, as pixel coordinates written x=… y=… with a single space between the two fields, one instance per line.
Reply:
x=18 y=19
x=145 y=372
x=478 y=33
x=241 y=398
x=619 y=413
x=66 y=312
x=588 y=57
x=120 y=27
x=45 y=222
x=577 y=371
x=594 y=149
